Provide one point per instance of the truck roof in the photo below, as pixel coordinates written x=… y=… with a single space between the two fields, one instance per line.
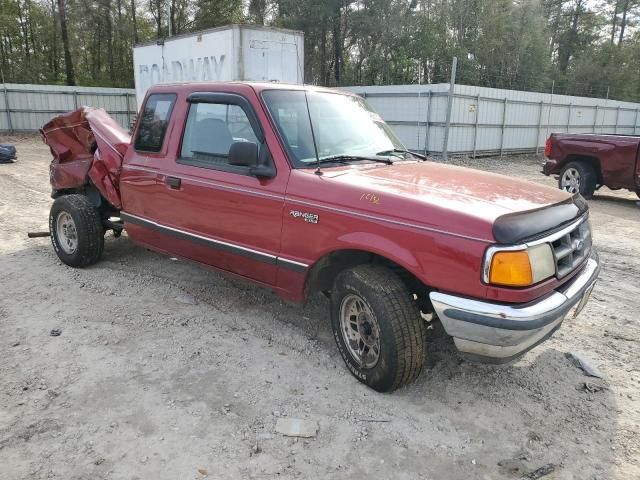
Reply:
x=591 y=134
x=257 y=86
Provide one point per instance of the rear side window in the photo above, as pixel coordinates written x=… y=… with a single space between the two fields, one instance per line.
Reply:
x=210 y=130
x=154 y=121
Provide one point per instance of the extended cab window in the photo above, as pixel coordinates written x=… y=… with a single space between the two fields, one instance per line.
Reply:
x=154 y=121
x=210 y=130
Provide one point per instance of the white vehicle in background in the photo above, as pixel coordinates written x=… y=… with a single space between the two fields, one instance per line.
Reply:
x=232 y=52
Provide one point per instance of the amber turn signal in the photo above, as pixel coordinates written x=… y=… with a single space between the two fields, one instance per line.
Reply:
x=511 y=268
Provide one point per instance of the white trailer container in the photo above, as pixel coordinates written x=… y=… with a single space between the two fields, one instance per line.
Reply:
x=233 y=52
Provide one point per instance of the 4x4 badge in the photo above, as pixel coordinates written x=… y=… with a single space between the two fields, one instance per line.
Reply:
x=308 y=217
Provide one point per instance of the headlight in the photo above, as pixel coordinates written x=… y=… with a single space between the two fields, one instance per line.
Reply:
x=519 y=267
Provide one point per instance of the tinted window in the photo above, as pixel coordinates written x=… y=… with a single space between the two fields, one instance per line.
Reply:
x=154 y=121
x=210 y=130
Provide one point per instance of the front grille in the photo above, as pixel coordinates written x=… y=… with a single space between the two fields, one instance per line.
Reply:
x=572 y=248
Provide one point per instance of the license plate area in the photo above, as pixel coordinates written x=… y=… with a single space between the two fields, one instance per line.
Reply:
x=583 y=301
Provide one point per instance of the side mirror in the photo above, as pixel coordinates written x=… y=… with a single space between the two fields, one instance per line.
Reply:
x=243 y=154
x=247 y=154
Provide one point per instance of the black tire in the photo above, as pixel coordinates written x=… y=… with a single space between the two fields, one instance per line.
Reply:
x=402 y=331
x=88 y=227
x=587 y=176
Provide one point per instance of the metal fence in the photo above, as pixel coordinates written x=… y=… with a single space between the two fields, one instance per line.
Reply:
x=484 y=121
x=430 y=118
x=25 y=108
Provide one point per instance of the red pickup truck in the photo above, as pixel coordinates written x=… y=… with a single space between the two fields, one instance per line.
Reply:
x=586 y=162
x=306 y=190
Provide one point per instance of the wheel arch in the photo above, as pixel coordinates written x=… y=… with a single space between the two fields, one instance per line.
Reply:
x=324 y=271
x=590 y=160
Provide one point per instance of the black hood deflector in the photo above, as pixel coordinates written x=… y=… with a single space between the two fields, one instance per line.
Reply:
x=527 y=226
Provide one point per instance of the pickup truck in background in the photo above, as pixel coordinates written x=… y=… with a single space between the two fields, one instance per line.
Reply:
x=307 y=190
x=586 y=162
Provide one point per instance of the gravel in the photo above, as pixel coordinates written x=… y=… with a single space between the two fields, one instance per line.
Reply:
x=167 y=370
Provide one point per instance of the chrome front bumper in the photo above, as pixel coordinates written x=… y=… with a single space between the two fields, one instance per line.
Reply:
x=499 y=333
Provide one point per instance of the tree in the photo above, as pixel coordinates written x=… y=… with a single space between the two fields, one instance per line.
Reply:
x=257 y=11
x=134 y=22
x=519 y=44
x=627 y=7
x=68 y=63
x=213 y=13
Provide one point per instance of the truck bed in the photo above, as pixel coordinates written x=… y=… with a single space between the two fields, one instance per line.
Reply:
x=88 y=147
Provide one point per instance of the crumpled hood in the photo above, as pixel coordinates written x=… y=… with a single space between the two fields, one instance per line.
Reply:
x=444 y=197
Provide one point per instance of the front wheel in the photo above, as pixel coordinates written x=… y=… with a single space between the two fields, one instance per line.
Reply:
x=578 y=177
x=377 y=327
x=76 y=230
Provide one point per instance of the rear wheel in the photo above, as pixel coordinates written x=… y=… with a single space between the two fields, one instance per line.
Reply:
x=76 y=230
x=578 y=177
x=377 y=327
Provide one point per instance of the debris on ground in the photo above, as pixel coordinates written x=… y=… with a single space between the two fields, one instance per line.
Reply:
x=585 y=363
x=540 y=472
x=617 y=336
x=592 y=387
x=256 y=449
x=8 y=153
x=513 y=466
x=203 y=472
x=186 y=299
x=296 y=427
x=56 y=332
x=38 y=234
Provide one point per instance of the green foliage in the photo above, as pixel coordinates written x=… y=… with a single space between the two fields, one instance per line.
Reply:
x=581 y=47
x=214 y=13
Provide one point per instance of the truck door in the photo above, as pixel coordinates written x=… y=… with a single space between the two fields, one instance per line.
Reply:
x=199 y=206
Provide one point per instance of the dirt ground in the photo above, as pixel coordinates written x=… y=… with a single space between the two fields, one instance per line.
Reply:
x=165 y=370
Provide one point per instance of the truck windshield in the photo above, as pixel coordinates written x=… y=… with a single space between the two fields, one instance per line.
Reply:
x=343 y=126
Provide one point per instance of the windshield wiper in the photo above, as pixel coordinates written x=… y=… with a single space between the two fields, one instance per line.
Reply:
x=400 y=150
x=353 y=158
